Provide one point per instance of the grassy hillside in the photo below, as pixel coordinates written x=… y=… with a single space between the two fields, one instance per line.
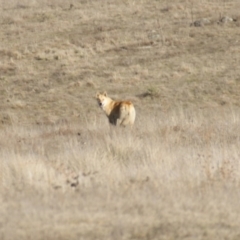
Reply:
x=65 y=174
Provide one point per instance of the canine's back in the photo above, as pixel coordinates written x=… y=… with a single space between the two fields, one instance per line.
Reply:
x=127 y=113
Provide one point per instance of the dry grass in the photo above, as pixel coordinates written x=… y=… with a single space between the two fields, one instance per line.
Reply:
x=65 y=174
x=176 y=178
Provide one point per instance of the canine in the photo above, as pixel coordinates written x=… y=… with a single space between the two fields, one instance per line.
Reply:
x=119 y=113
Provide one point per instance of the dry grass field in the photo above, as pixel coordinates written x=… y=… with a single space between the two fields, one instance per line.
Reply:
x=66 y=174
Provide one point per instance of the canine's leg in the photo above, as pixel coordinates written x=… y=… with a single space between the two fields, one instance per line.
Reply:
x=119 y=122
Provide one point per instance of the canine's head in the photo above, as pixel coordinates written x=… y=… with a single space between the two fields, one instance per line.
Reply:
x=101 y=98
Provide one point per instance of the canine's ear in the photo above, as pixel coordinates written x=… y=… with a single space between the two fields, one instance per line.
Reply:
x=105 y=94
x=97 y=95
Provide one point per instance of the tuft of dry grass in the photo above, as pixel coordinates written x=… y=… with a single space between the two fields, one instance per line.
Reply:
x=65 y=173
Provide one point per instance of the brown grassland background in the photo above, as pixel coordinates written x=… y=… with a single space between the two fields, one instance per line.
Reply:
x=65 y=173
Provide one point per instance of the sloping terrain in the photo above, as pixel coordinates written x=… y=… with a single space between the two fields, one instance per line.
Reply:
x=55 y=56
x=65 y=174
